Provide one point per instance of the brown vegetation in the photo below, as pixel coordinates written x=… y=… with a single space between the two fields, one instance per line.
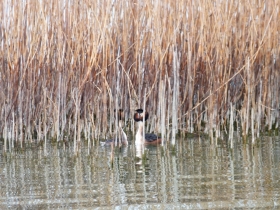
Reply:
x=66 y=65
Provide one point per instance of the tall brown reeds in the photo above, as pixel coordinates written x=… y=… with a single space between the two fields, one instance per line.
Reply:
x=65 y=65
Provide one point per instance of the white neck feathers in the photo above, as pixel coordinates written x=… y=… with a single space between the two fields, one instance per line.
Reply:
x=139 y=134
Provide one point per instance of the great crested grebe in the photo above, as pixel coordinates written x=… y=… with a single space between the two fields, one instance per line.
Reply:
x=150 y=138
x=121 y=138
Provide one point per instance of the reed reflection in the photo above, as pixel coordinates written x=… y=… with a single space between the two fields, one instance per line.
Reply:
x=197 y=175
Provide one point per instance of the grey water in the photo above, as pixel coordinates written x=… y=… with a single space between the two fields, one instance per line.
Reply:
x=198 y=174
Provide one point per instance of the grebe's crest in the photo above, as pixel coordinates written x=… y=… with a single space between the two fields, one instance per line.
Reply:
x=140 y=115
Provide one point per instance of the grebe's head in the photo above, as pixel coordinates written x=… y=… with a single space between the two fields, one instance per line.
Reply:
x=120 y=114
x=140 y=115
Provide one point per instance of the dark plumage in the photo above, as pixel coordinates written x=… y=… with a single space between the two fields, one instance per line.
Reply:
x=150 y=137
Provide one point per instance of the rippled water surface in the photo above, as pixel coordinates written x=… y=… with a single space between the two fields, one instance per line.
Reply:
x=197 y=175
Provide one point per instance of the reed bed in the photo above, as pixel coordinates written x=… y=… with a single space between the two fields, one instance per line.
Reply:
x=205 y=65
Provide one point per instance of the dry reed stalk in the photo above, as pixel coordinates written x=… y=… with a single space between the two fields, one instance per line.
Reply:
x=162 y=108
x=176 y=61
x=225 y=54
x=144 y=111
x=231 y=128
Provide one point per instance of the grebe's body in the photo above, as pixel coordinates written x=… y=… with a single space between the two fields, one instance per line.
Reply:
x=121 y=137
x=147 y=138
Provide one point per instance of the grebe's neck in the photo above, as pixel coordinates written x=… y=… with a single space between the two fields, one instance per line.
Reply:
x=139 y=134
x=140 y=129
x=122 y=134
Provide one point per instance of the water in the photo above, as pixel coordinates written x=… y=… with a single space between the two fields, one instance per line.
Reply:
x=198 y=175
